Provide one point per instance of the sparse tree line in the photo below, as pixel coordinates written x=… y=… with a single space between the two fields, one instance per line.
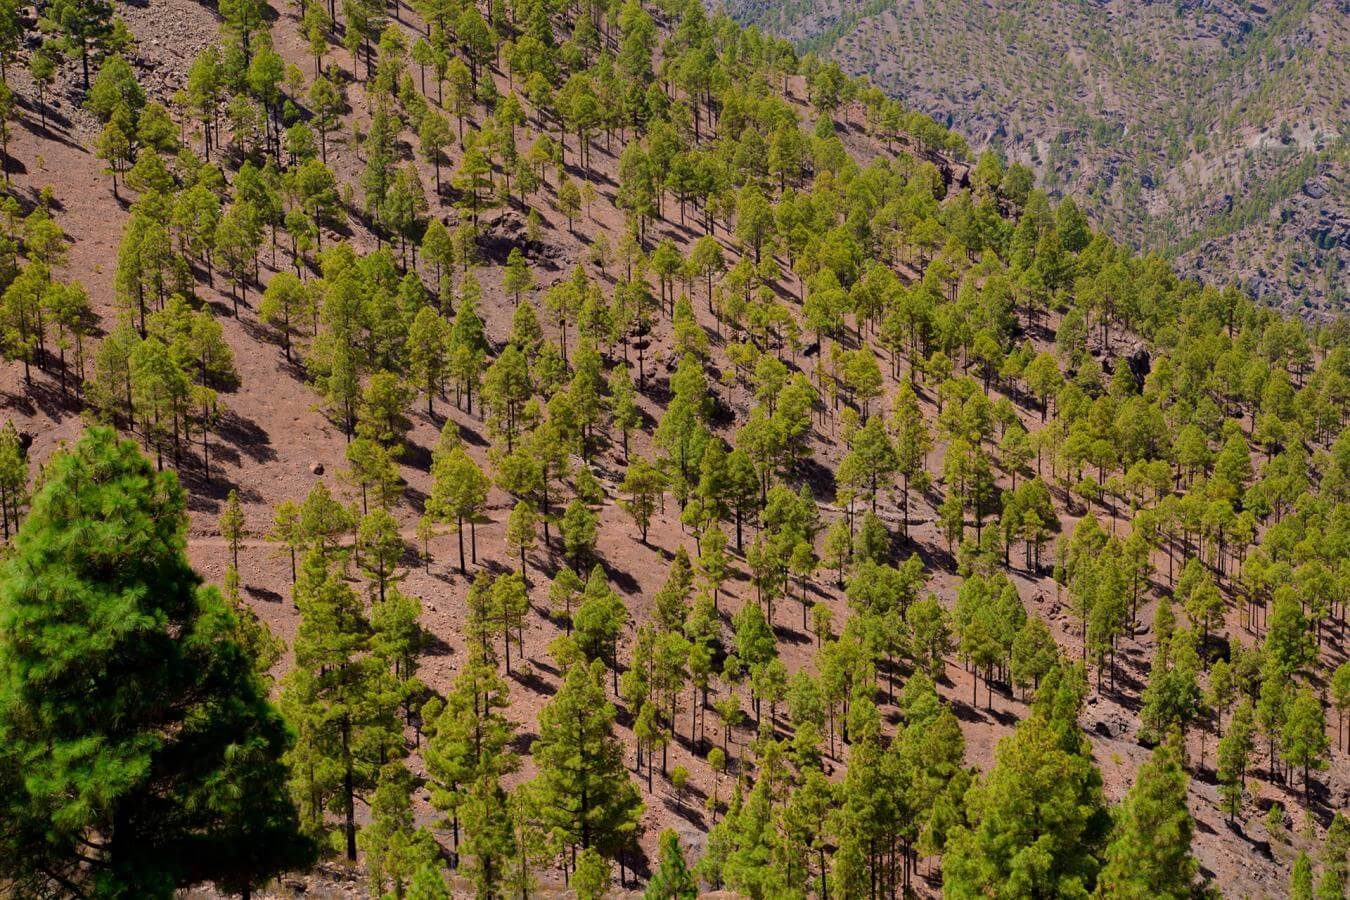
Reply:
x=873 y=305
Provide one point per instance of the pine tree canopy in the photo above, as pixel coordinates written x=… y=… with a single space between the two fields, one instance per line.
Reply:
x=138 y=750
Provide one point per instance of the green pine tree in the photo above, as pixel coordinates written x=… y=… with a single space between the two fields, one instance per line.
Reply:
x=584 y=793
x=232 y=525
x=467 y=752
x=1304 y=738
x=13 y=478
x=342 y=701
x=1150 y=850
x=1301 y=879
x=672 y=879
x=394 y=850
x=1037 y=820
x=138 y=751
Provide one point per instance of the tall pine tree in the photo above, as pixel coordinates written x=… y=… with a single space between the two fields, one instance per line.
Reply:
x=138 y=751
x=1150 y=850
x=342 y=699
x=1037 y=820
x=468 y=752
x=583 y=790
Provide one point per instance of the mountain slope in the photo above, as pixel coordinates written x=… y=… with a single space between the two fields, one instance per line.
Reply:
x=813 y=274
x=1214 y=130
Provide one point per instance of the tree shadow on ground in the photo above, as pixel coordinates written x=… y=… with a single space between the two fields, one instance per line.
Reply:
x=246 y=435
x=263 y=594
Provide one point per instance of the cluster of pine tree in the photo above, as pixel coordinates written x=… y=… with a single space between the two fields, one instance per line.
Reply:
x=805 y=297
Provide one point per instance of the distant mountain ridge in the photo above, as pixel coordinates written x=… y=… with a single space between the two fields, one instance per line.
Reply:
x=1214 y=130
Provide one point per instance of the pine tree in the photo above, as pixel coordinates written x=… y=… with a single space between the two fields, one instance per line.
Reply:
x=397 y=637
x=1331 y=886
x=13 y=478
x=1289 y=641
x=563 y=593
x=1336 y=846
x=1037 y=820
x=428 y=883
x=643 y=483
x=232 y=525
x=380 y=547
x=284 y=301
x=1204 y=603
x=394 y=850
x=11 y=32
x=1304 y=739
x=548 y=449
x=341 y=701
x=474 y=176
x=592 y=876
x=672 y=879
x=86 y=29
x=517 y=278
x=1149 y=854
x=568 y=201
x=458 y=493
x=521 y=531
x=371 y=468
x=236 y=243
x=755 y=866
x=599 y=620
x=510 y=602
x=579 y=532
x=428 y=353
x=21 y=326
x=1172 y=697
x=322 y=520
x=1034 y=653
x=873 y=458
x=583 y=789
x=506 y=389
x=1301 y=879
x=1340 y=697
x=382 y=416
x=469 y=750
x=490 y=846
x=67 y=308
x=140 y=752
x=433 y=135
x=623 y=405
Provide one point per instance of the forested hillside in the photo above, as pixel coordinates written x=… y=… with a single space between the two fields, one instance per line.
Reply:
x=543 y=448
x=1214 y=132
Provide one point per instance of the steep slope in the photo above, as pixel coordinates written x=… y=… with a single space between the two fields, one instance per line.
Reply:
x=277 y=436
x=1214 y=131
